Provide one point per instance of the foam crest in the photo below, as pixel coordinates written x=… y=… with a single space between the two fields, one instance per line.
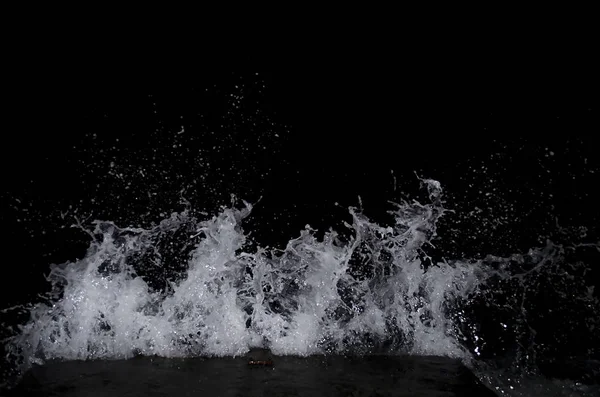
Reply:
x=376 y=291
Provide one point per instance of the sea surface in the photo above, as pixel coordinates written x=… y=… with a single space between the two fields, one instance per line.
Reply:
x=288 y=376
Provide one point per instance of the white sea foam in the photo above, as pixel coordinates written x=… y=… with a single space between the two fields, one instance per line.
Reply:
x=371 y=293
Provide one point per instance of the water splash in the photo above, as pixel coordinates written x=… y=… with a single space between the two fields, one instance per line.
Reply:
x=375 y=290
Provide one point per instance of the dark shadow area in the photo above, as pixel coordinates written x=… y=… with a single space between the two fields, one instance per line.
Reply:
x=289 y=376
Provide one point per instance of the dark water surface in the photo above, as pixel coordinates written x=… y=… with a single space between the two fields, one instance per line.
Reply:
x=289 y=376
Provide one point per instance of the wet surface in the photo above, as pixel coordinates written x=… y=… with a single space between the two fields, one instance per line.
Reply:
x=288 y=376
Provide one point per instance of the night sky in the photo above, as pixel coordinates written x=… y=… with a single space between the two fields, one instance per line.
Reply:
x=514 y=159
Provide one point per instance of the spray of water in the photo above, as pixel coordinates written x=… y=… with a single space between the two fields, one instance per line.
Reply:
x=374 y=292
